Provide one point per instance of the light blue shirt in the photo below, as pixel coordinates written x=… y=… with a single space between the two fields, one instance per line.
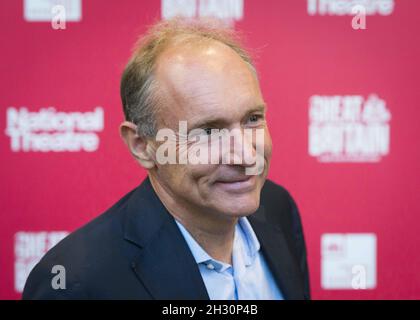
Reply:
x=248 y=278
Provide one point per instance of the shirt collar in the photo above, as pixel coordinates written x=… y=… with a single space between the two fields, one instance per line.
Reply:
x=250 y=240
x=200 y=255
x=243 y=234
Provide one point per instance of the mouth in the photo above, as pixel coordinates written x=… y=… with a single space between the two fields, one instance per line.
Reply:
x=238 y=185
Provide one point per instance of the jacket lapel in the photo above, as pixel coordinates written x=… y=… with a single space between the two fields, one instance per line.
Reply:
x=278 y=256
x=163 y=263
x=156 y=237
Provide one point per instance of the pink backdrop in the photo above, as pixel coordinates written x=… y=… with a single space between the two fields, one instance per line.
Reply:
x=300 y=54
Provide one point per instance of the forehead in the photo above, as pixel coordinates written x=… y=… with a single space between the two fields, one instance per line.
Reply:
x=195 y=80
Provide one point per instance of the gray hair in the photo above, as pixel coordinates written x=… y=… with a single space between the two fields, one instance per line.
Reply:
x=138 y=87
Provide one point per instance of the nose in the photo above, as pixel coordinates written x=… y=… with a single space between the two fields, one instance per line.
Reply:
x=241 y=148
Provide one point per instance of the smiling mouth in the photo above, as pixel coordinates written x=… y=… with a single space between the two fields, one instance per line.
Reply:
x=242 y=184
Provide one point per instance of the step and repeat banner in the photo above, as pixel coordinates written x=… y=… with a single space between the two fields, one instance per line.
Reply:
x=342 y=82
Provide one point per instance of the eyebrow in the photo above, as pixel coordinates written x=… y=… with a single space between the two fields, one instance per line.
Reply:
x=221 y=122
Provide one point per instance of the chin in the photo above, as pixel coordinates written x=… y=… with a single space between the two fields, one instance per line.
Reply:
x=239 y=206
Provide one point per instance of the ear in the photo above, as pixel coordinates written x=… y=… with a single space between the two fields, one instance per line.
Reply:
x=140 y=147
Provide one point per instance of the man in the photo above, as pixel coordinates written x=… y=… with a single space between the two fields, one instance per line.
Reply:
x=202 y=230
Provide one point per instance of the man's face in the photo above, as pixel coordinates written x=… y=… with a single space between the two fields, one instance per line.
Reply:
x=211 y=87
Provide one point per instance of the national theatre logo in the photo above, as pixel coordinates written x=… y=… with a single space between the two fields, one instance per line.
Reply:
x=345 y=7
x=49 y=130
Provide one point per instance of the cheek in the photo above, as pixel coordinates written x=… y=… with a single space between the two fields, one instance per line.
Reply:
x=267 y=145
x=196 y=184
x=185 y=177
x=200 y=173
x=173 y=175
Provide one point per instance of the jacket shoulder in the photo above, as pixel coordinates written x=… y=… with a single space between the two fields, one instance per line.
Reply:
x=80 y=254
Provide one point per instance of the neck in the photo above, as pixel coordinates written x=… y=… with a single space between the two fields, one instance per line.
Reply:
x=214 y=232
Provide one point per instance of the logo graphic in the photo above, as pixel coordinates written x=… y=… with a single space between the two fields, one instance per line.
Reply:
x=226 y=10
x=52 y=10
x=345 y=7
x=348 y=261
x=48 y=130
x=29 y=249
x=348 y=128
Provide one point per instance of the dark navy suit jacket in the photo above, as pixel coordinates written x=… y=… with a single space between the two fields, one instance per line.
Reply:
x=136 y=251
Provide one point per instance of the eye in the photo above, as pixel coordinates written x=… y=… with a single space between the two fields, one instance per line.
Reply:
x=207 y=131
x=255 y=118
